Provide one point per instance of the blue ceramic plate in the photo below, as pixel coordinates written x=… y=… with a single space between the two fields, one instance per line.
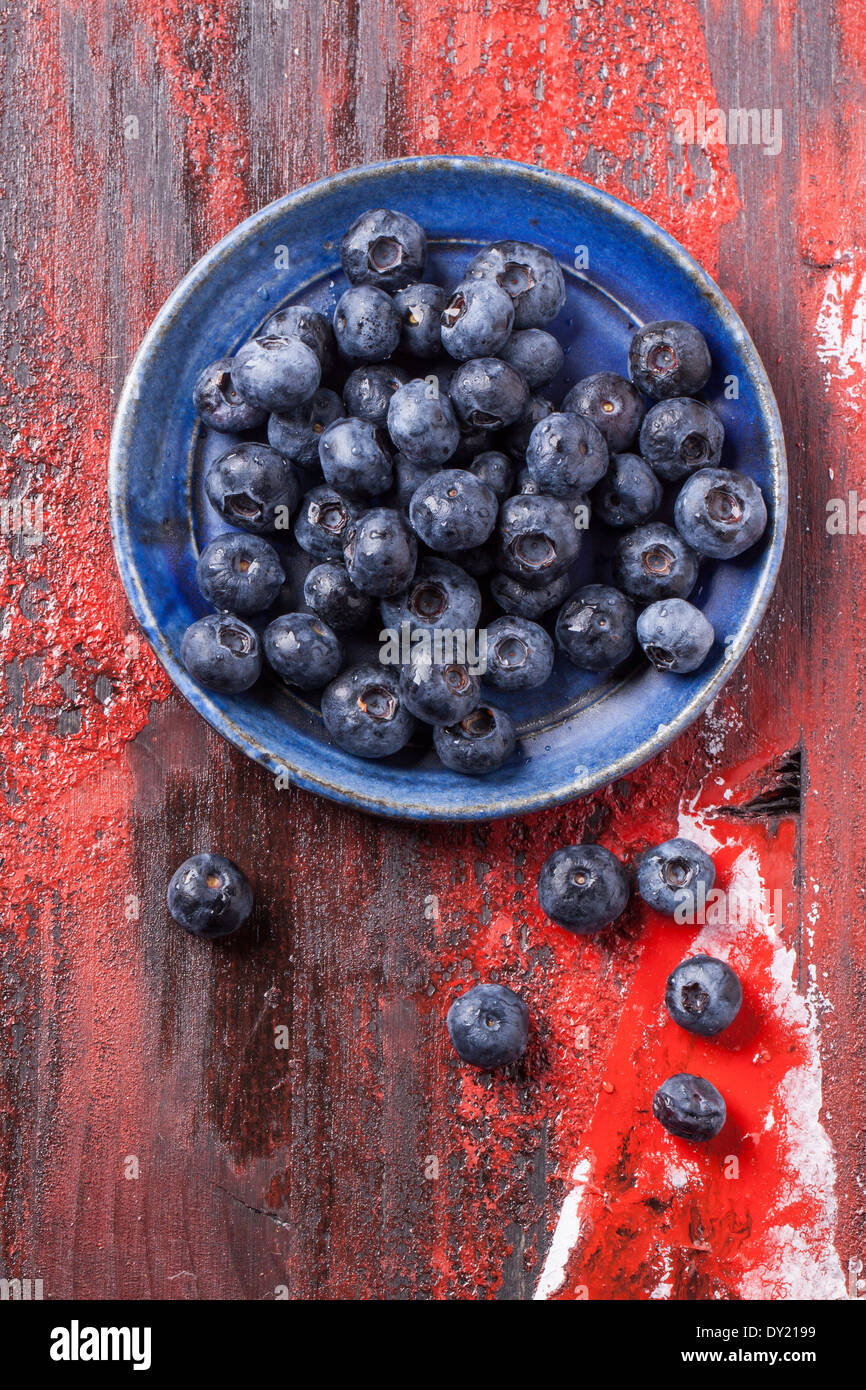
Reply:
x=580 y=731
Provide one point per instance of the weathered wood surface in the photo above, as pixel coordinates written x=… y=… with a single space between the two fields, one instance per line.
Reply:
x=154 y=1141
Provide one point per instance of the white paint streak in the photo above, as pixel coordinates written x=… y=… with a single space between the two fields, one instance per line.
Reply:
x=566 y=1235
x=841 y=330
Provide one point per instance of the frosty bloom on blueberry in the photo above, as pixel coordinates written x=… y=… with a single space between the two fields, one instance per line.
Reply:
x=489 y=1026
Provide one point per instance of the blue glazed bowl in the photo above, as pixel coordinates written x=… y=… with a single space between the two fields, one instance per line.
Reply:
x=580 y=731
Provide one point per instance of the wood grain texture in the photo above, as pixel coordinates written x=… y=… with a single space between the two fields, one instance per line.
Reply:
x=359 y=1160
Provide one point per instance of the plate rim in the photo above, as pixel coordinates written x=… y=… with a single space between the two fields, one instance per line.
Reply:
x=472 y=809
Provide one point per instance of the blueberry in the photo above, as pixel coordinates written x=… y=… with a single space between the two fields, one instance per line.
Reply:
x=322 y=522
x=612 y=404
x=220 y=405
x=302 y=649
x=519 y=654
x=629 y=493
x=675 y=635
x=330 y=593
x=488 y=1026
x=566 y=452
x=703 y=995
x=209 y=896
x=480 y=743
x=537 y=539
x=654 y=562
x=496 y=471
x=222 y=653
x=380 y=552
x=674 y=875
x=295 y=433
x=720 y=513
x=441 y=595
x=299 y=321
x=515 y=597
x=368 y=391
x=689 y=1107
x=526 y=485
x=276 y=373
x=438 y=692
x=471 y=443
x=383 y=248
x=582 y=888
x=535 y=354
x=596 y=628
x=364 y=714
x=669 y=359
x=355 y=459
x=488 y=394
x=476 y=321
x=240 y=574
x=515 y=439
x=420 y=309
x=453 y=511
x=254 y=487
x=422 y=424
x=529 y=274
x=679 y=436
x=366 y=324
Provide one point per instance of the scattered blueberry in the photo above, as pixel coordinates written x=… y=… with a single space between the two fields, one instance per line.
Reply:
x=477 y=320
x=322 y=522
x=680 y=435
x=295 y=433
x=596 y=628
x=420 y=308
x=453 y=510
x=673 y=875
x=535 y=354
x=355 y=458
x=537 y=539
x=612 y=404
x=496 y=470
x=300 y=321
x=689 y=1107
x=629 y=493
x=488 y=1026
x=529 y=274
x=520 y=654
x=254 y=487
x=488 y=394
x=566 y=452
x=422 y=424
x=364 y=714
x=368 y=391
x=276 y=373
x=720 y=513
x=441 y=595
x=209 y=896
x=366 y=324
x=330 y=593
x=675 y=635
x=302 y=649
x=438 y=692
x=384 y=248
x=703 y=995
x=222 y=653
x=669 y=359
x=654 y=562
x=220 y=405
x=583 y=888
x=480 y=743
x=530 y=603
x=380 y=552
x=240 y=574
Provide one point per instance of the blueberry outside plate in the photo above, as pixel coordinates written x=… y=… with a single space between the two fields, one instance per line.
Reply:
x=581 y=731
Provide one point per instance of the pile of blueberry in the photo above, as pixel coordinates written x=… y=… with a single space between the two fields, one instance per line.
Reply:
x=413 y=453
x=582 y=888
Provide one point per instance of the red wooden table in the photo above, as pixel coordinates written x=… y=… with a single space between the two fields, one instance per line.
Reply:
x=283 y=1116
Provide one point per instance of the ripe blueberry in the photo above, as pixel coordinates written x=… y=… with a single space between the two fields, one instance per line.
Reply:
x=679 y=436
x=276 y=373
x=222 y=653
x=323 y=519
x=355 y=459
x=299 y=321
x=480 y=743
x=453 y=510
x=703 y=995
x=364 y=714
x=476 y=321
x=675 y=635
x=488 y=1026
x=380 y=552
x=596 y=627
x=422 y=424
x=220 y=405
x=209 y=896
x=629 y=493
x=366 y=324
x=535 y=354
x=537 y=539
x=612 y=404
x=441 y=595
x=330 y=593
x=420 y=309
x=529 y=274
x=254 y=487
x=654 y=562
x=582 y=888
x=530 y=603
x=303 y=650
x=368 y=391
x=496 y=471
x=240 y=574
x=520 y=654
x=383 y=248
x=671 y=877
x=668 y=358
x=488 y=394
x=689 y=1107
x=720 y=513
x=295 y=433
x=438 y=692
x=566 y=453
